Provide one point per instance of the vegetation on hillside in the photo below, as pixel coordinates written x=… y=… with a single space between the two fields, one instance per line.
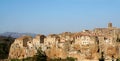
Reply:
x=5 y=43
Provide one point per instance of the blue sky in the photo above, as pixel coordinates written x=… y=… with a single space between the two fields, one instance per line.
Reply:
x=56 y=16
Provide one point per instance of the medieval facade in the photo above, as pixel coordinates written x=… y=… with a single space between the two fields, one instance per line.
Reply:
x=84 y=45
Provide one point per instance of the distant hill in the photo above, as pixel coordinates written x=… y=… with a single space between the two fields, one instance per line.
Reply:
x=16 y=34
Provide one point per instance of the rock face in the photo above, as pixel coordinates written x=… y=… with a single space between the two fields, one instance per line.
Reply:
x=20 y=47
x=25 y=46
x=84 y=45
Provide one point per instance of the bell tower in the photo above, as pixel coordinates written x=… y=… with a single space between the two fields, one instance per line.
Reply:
x=110 y=25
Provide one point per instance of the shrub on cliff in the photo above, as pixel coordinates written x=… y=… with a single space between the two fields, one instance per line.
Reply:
x=118 y=59
x=15 y=60
x=59 y=59
x=40 y=56
x=70 y=59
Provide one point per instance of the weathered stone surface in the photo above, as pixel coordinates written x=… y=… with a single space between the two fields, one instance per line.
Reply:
x=85 y=45
x=24 y=47
x=56 y=53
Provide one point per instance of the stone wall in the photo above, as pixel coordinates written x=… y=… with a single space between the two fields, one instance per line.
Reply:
x=84 y=45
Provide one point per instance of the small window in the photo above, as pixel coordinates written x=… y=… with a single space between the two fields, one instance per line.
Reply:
x=79 y=51
x=29 y=42
x=105 y=38
x=23 y=55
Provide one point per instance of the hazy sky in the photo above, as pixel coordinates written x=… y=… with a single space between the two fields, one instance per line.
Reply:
x=56 y=16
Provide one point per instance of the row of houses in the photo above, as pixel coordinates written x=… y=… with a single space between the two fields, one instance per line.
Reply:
x=90 y=45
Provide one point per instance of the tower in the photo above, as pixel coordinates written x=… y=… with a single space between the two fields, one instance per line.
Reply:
x=109 y=25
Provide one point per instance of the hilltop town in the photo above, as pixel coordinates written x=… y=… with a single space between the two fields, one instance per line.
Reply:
x=84 y=45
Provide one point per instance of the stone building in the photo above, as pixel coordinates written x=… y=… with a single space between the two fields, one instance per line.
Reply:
x=25 y=46
x=38 y=41
x=108 y=41
x=84 y=45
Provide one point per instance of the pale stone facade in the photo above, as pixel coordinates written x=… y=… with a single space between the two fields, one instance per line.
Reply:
x=84 y=45
x=24 y=47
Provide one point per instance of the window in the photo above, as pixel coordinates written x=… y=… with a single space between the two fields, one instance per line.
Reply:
x=29 y=42
x=105 y=38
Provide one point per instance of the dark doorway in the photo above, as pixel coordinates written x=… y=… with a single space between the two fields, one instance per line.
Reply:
x=102 y=57
x=42 y=38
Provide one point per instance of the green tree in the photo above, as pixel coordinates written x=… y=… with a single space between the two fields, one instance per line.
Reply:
x=118 y=59
x=40 y=56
